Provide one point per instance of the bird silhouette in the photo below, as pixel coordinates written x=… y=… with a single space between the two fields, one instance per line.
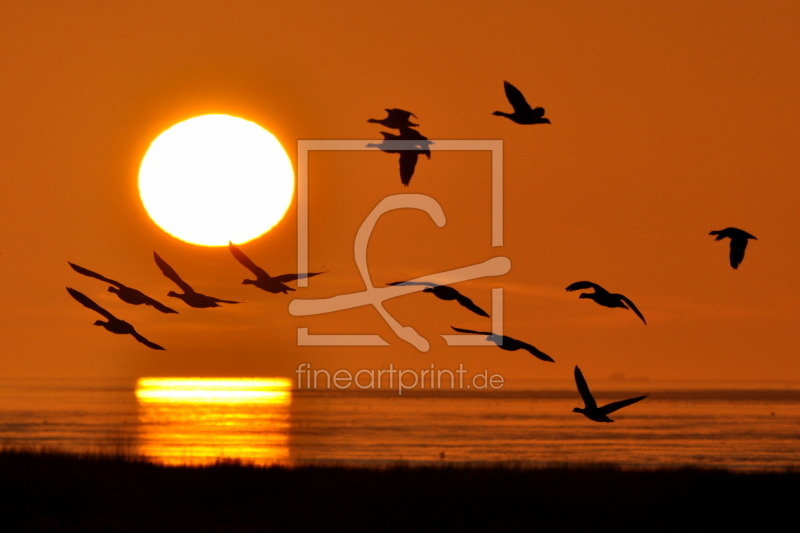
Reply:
x=396 y=119
x=190 y=297
x=263 y=280
x=507 y=343
x=114 y=324
x=126 y=294
x=603 y=297
x=523 y=113
x=409 y=155
x=590 y=409
x=738 y=243
x=443 y=292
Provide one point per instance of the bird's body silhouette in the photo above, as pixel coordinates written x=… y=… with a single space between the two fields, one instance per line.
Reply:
x=410 y=134
x=508 y=343
x=113 y=324
x=603 y=297
x=523 y=112
x=408 y=156
x=385 y=147
x=263 y=280
x=443 y=292
x=738 y=239
x=590 y=409
x=396 y=119
x=189 y=296
x=126 y=294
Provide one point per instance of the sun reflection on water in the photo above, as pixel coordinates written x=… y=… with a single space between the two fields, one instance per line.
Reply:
x=200 y=421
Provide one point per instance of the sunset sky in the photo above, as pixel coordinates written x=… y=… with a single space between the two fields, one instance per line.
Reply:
x=669 y=120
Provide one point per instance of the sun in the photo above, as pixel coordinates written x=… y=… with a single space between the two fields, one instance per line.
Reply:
x=216 y=178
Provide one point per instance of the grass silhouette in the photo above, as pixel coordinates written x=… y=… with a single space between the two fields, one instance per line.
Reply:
x=43 y=491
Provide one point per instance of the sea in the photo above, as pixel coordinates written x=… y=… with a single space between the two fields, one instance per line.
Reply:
x=268 y=421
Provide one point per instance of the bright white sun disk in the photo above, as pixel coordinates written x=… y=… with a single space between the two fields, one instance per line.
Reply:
x=215 y=178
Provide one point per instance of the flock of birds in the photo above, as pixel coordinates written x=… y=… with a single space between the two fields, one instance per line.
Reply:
x=409 y=153
x=190 y=297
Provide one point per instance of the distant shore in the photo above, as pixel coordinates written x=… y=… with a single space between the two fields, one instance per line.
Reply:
x=54 y=492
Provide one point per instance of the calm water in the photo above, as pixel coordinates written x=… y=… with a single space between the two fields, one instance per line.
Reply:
x=265 y=422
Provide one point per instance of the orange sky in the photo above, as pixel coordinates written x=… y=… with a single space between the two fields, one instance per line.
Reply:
x=669 y=120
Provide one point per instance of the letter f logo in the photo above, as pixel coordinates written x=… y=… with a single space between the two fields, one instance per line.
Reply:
x=375 y=296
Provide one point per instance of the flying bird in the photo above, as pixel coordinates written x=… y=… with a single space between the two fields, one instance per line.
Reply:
x=396 y=119
x=507 y=343
x=190 y=297
x=523 y=113
x=114 y=324
x=126 y=294
x=738 y=243
x=443 y=292
x=590 y=410
x=408 y=155
x=603 y=297
x=263 y=280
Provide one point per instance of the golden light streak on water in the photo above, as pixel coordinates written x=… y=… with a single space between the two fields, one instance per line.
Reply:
x=193 y=390
x=199 y=421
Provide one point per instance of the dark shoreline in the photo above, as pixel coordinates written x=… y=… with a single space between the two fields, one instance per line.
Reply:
x=55 y=492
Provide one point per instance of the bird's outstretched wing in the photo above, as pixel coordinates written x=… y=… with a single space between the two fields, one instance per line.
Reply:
x=737 y=251
x=88 y=302
x=466 y=302
x=408 y=162
x=580 y=285
x=158 y=305
x=534 y=351
x=246 y=262
x=472 y=331
x=633 y=308
x=425 y=283
x=227 y=301
x=733 y=233
x=146 y=342
x=283 y=278
x=171 y=274
x=516 y=99
x=610 y=408
x=583 y=388
x=400 y=115
x=95 y=275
